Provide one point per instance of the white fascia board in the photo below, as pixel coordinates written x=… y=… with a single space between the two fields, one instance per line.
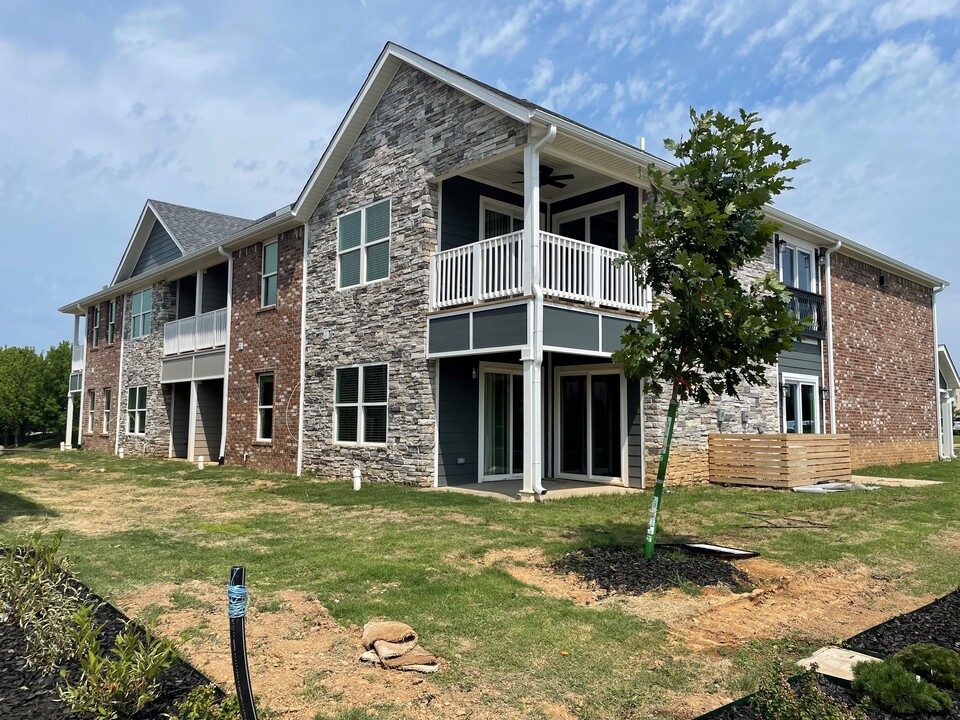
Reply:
x=133 y=239
x=805 y=230
x=277 y=223
x=372 y=90
x=948 y=369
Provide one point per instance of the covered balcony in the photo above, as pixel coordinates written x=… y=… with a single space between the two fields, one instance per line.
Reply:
x=201 y=313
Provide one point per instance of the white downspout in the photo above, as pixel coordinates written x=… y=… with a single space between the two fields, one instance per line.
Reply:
x=83 y=379
x=121 y=400
x=936 y=376
x=226 y=355
x=303 y=345
x=828 y=301
x=533 y=422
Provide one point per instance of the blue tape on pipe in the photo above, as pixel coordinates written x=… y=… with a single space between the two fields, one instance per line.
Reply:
x=236 y=601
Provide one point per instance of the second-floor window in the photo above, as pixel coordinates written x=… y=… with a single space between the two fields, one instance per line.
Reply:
x=268 y=274
x=141 y=313
x=797 y=268
x=95 y=331
x=91 y=402
x=112 y=322
x=363 y=245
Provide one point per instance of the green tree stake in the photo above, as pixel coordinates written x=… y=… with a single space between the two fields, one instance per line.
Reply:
x=661 y=475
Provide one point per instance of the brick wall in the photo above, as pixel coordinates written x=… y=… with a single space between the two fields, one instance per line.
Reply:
x=270 y=341
x=884 y=365
x=102 y=371
x=422 y=128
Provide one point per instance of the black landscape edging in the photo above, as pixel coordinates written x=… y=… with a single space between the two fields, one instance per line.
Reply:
x=880 y=641
x=31 y=694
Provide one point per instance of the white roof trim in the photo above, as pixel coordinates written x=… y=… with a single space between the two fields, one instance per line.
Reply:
x=365 y=102
x=948 y=369
x=139 y=239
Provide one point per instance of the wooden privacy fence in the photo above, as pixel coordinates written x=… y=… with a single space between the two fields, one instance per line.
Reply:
x=780 y=460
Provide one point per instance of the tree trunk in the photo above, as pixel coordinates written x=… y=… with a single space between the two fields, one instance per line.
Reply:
x=661 y=471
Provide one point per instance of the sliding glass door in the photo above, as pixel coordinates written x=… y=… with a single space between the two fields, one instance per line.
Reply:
x=501 y=423
x=589 y=417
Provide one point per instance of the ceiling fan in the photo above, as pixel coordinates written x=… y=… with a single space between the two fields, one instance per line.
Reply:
x=548 y=178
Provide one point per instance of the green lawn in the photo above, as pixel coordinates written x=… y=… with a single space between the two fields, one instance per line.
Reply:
x=397 y=552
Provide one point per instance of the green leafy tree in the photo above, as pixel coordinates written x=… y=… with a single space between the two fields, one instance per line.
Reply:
x=51 y=403
x=20 y=371
x=708 y=331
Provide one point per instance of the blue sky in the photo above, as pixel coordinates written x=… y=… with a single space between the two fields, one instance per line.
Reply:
x=227 y=106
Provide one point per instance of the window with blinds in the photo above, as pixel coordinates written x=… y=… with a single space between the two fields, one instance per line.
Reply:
x=363 y=245
x=361 y=404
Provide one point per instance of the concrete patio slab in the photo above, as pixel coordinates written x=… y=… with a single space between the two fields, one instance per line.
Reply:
x=556 y=489
x=836 y=662
x=894 y=482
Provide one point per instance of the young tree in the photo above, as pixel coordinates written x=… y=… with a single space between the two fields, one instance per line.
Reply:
x=708 y=332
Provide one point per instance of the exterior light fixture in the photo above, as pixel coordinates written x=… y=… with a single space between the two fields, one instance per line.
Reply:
x=721 y=418
x=744 y=418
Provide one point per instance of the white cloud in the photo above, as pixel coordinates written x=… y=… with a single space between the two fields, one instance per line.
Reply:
x=495 y=34
x=542 y=75
x=897 y=13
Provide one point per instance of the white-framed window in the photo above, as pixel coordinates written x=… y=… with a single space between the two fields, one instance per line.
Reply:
x=95 y=330
x=798 y=267
x=106 y=410
x=112 y=322
x=268 y=275
x=600 y=223
x=265 y=406
x=499 y=218
x=363 y=245
x=141 y=313
x=137 y=410
x=361 y=404
x=91 y=402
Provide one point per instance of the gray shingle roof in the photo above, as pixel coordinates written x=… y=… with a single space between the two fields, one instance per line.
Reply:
x=197 y=229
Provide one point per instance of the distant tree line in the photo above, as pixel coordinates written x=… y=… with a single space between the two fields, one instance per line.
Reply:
x=33 y=391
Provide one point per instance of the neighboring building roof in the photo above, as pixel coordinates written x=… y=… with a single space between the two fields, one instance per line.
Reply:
x=191 y=230
x=947 y=369
x=195 y=229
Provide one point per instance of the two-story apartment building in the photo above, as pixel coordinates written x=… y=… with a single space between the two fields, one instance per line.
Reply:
x=440 y=303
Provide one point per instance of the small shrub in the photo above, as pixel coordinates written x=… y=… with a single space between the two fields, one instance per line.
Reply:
x=35 y=589
x=121 y=682
x=890 y=686
x=202 y=704
x=777 y=699
x=934 y=663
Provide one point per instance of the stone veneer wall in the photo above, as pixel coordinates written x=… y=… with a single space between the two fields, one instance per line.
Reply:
x=688 y=452
x=883 y=360
x=421 y=128
x=101 y=371
x=271 y=343
x=142 y=360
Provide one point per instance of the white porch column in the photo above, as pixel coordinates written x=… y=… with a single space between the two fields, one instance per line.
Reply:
x=192 y=430
x=69 y=439
x=532 y=355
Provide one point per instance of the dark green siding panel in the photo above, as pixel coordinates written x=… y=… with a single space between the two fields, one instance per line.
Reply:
x=158 y=250
x=612 y=329
x=457 y=422
x=570 y=329
x=215 y=288
x=449 y=334
x=803 y=359
x=460 y=213
x=500 y=327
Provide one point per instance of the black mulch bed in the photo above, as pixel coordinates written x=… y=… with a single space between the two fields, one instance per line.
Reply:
x=850 y=698
x=938 y=622
x=625 y=569
x=31 y=694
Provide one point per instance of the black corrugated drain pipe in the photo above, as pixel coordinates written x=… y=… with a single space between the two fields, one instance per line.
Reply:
x=237 y=613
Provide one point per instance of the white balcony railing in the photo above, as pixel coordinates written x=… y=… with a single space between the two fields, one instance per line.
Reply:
x=200 y=332
x=570 y=270
x=77 y=362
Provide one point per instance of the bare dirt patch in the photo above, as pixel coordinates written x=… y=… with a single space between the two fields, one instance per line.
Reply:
x=301 y=660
